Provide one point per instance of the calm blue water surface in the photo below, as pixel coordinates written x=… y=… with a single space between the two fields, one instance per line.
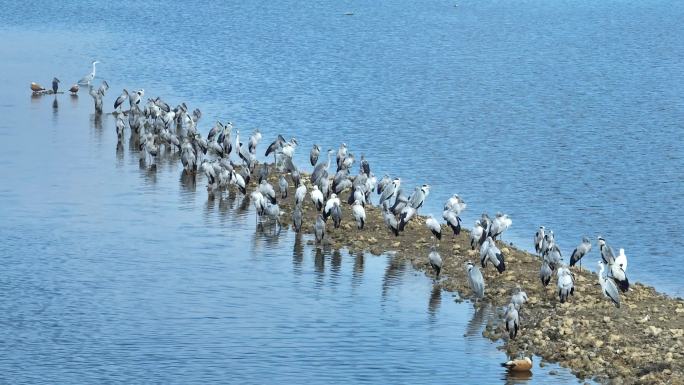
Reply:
x=566 y=114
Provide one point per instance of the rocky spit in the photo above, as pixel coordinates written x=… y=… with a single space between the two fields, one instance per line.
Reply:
x=640 y=343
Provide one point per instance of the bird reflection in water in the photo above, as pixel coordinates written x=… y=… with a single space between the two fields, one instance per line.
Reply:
x=188 y=182
x=73 y=98
x=319 y=266
x=516 y=378
x=119 y=154
x=298 y=254
x=435 y=301
x=269 y=233
x=55 y=110
x=225 y=205
x=96 y=121
x=243 y=207
x=150 y=173
x=357 y=273
x=134 y=143
x=481 y=314
x=335 y=265
x=392 y=276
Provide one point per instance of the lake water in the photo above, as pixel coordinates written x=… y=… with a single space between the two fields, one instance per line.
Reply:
x=562 y=114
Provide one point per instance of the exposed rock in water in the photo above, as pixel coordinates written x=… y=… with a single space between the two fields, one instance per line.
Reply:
x=642 y=342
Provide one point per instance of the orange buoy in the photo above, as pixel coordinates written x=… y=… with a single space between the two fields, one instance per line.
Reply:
x=74 y=89
x=35 y=87
x=519 y=365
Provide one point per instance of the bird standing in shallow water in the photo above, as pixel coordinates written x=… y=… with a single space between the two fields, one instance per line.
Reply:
x=55 y=85
x=74 y=89
x=86 y=80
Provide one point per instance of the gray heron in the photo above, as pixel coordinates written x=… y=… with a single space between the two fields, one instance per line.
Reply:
x=518 y=298
x=490 y=252
x=475 y=280
x=580 y=251
x=86 y=80
x=476 y=235
x=320 y=169
x=545 y=273
x=282 y=186
x=390 y=190
x=566 y=284
x=453 y=220
x=434 y=226
x=313 y=155
x=608 y=286
x=500 y=224
x=390 y=220
x=512 y=321
x=435 y=261
x=419 y=195
x=359 y=214
x=317 y=198
x=297 y=219
x=319 y=228
x=120 y=100
x=538 y=239
x=300 y=194
x=268 y=191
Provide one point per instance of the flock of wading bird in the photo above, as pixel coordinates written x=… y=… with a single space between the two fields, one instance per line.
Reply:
x=158 y=127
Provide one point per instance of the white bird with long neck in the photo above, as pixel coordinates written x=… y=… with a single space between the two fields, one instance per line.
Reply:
x=86 y=80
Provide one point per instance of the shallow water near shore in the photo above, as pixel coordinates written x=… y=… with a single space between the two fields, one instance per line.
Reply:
x=135 y=273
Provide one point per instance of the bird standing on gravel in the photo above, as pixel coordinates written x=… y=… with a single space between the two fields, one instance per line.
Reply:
x=435 y=261
x=359 y=214
x=512 y=321
x=566 y=284
x=475 y=280
x=608 y=286
x=434 y=226
x=580 y=251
